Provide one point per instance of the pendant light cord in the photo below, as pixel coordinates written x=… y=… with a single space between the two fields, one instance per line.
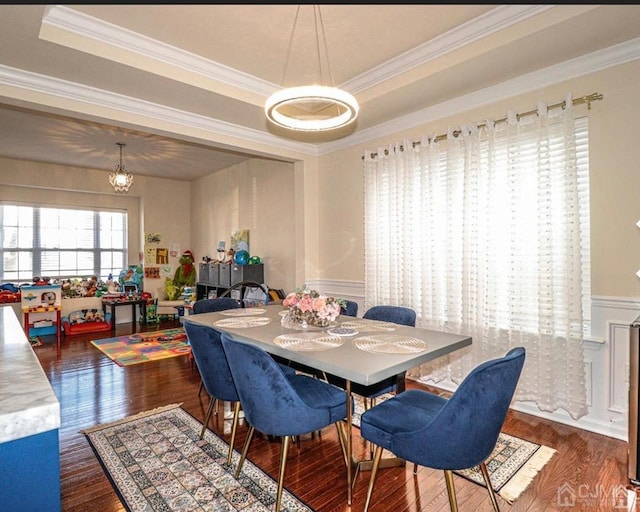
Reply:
x=321 y=41
x=288 y=55
x=326 y=48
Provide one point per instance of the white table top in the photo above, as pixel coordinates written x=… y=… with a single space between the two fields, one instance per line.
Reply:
x=28 y=404
x=347 y=360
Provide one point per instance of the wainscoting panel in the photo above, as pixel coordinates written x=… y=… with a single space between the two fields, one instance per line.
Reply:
x=606 y=354
x=619 y=367
x=588 y=372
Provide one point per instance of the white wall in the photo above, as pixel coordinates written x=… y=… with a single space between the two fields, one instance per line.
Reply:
x=257 y=195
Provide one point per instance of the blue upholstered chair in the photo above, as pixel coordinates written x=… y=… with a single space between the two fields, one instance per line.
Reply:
x=398 y=315
x=449 y=434
x=350 y=308
x=211 y=360
x=212 y=305
x=277 y=405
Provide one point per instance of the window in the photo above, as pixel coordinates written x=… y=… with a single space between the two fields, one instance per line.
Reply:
x=60 y=242
x=486 y=232
x=446 y=222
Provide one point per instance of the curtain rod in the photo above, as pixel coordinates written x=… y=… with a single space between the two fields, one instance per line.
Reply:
x=578 y=101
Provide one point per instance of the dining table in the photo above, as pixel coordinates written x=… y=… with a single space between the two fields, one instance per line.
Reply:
x=356 y=349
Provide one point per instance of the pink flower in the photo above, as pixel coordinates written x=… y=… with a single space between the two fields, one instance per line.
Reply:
x=305 y=304
x=329 y=311
x=319 y=303
x=290 y=300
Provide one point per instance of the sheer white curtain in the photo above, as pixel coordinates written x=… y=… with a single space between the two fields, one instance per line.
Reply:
x=486 y=233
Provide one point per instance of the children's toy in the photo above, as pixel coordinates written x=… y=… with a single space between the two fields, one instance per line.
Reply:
x=134 y=274
x=186 y=273
x=86 y=320
x=9 y=293
x=41 y=306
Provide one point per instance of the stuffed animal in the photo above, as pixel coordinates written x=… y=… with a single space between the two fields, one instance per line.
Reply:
x=186 y=272
x=112 y=286
x=91 y=286
x=76 y=317
x=172 y=291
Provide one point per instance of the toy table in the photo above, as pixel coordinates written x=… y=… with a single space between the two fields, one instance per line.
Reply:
x=114 y=303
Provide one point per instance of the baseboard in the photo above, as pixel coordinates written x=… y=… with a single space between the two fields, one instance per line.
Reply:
x=614 y=430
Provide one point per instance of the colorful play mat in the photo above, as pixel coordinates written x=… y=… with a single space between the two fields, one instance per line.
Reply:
x=144 y=347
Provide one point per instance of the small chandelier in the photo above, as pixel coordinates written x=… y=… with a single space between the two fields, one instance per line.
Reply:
x=311 y=107
x=121 y=179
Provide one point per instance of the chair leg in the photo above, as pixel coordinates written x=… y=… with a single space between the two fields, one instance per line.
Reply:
x=200 y=388
x=374 y=471
x=487 y=481
x=286 y=440
x=234 y=428
x=451 y=490
x=343 y=443
x=205 y=423
x=245 y=449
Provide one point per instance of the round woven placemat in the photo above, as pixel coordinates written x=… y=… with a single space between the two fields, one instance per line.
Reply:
x=242 y=322
x=243 y=312
x=308 y=341
x=365 y=325
x=390 y=344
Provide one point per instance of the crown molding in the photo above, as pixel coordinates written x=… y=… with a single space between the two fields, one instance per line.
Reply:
x=594 y=62
x=493 y=21
x=89 y=27
x=62 y=89
x=69 y=20
x=597 y=61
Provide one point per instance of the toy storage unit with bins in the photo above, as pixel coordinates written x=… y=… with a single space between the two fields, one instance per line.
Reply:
x=215 y=278
x=41 y=309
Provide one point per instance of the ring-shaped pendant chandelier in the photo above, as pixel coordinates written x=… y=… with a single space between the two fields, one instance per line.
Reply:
x=311 y=107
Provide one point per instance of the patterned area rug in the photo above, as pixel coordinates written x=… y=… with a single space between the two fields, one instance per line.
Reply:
x=143 y=347
x=156 y=461
x=512 y=465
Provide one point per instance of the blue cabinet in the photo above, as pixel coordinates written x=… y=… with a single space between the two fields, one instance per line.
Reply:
x=30 y=474
x=29 y=426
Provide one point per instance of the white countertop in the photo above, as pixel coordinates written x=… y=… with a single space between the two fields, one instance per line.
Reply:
x=28 y=404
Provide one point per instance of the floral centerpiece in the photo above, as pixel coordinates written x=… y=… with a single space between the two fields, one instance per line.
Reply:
x=309 y=308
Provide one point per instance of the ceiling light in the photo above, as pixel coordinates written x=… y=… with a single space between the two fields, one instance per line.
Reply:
x=121 y=179
x=311 y=107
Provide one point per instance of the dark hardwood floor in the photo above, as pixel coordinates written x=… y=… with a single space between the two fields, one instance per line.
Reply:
x=94 y=390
